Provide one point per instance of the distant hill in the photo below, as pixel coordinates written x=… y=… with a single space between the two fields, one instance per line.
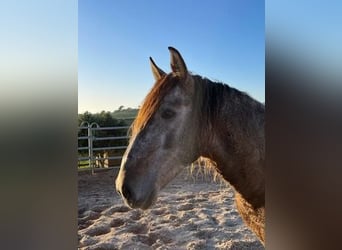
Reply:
x=125 y=113
x=119 y=117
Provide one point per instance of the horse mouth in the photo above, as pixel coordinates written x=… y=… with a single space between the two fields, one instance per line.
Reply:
x=142 y=203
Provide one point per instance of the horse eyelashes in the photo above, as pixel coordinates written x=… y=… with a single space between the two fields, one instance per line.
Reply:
x=168 y=114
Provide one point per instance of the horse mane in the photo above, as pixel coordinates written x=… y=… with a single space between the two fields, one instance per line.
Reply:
x=152 y=102
x=214 y=96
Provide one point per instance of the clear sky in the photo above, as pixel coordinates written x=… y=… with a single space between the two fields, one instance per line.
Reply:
x=223 y=40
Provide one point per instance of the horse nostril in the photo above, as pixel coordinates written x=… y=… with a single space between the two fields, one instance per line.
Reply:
x=126 y=192
x=118 y=191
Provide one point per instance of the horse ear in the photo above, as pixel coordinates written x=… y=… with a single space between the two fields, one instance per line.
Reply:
x=177 y=63
x=157 y=72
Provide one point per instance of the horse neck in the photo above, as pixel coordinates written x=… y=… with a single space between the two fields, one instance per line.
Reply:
x=232 y=135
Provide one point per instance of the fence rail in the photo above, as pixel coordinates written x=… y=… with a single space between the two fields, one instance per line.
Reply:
x=110 y=138
x=97 y=161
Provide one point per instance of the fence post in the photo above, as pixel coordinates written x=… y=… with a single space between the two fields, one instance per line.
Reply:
x=86 y=124
x=90 y=149
x=90 y=145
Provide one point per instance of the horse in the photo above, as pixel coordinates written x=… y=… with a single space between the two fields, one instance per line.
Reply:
x=184 y=117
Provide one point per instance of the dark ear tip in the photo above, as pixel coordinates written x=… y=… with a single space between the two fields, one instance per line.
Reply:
x=172 y=48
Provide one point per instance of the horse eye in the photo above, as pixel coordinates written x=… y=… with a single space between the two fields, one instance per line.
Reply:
x=167 y=114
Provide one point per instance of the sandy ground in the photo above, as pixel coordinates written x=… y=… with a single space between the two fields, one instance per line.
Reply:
x=191 y=213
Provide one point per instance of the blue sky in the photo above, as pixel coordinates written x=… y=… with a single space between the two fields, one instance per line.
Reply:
x=222 y=40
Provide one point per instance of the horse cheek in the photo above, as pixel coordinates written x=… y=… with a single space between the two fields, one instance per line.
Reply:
x=168 y=141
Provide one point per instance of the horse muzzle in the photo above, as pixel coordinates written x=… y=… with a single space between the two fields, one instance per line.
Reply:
x=134 y=195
